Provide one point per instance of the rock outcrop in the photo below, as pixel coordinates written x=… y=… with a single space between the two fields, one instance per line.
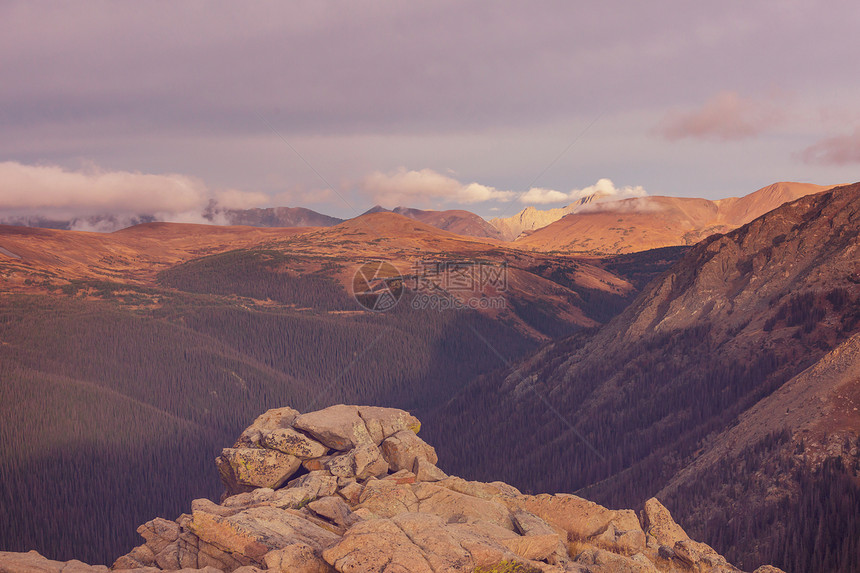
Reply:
x=353 y=489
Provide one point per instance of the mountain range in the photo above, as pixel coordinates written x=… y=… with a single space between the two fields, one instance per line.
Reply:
x=731 y=389
x=640 y=223
x=716 y=372
x=597 y=224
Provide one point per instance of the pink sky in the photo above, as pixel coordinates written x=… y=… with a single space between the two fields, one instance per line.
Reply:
x=337 y=106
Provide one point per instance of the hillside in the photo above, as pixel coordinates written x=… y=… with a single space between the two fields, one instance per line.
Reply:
x=454 y=220
x=353 y=489
x=531 y=218
x=730 y=324
x=643 y=223
x=128 y=358
x=280 y=217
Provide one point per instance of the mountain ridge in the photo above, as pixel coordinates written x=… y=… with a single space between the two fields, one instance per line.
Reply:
x=639 y=223
x=731 y=322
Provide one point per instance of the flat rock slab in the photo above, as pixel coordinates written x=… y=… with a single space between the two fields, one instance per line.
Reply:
x=343 y=427
x=258 y=530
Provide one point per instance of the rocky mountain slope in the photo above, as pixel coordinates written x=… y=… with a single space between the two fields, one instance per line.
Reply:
x=531 y=218
x=354 y=489
x=454 y=220
x=280 y=217
x=719 y=341
x=643 y=223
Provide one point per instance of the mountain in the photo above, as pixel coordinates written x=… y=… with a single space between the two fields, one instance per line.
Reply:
x=268 y=217
x=280 y=217
x=532 y=218
x=702 y=389
x=353 y=489
x=642 y=223
x=128 y=359
x=98 y=223
x=453 y=220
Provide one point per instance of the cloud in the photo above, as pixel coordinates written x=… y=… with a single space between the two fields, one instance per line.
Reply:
x=96 y=199
x=725 y=117
x=410 y=187
x=836 y=150
x=628 y=205
x=604 y=189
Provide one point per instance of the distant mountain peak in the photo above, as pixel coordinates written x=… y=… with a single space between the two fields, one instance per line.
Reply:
x=376 y=209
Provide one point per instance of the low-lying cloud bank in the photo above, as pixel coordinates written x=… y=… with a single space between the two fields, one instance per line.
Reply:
x=94 y=199
x=410 y=187
x=604 y=189
x=420 y=188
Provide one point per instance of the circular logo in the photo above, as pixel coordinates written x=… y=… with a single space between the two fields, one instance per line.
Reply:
x=377 y=286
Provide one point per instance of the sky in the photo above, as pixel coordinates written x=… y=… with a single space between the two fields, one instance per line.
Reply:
x=166 y=108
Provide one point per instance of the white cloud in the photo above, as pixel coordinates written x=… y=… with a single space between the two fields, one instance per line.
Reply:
x=410 y=188
x=627 y=205
x=104 y=200
x=604 y=189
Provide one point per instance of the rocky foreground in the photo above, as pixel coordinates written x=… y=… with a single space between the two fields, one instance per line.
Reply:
x=353 y=489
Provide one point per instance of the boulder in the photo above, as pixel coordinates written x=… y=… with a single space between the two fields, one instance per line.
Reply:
x=351 y=492
x=338 y=427
x=159 y=533
x=458 y=507
x=534 y=547
x=385 y=422
x=530 y=525
x=403 y=448
x=402 y=476
x=289 y=441
x=361 y=462
x=493 y=491
x=658 y=522
x=426 y=471
x=296 y=558
x=317 y=464
x=440 y=545
x=258 y=530
x=377 y=546
x=387 y=498
x=243 y=469
x=334 y=509
x=602 y=561
x=578 y=517
x=368 y=461
x=630 y=541
x=318 y=483
x=264 y=424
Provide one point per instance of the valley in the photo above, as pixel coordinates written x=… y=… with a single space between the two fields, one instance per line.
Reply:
x=695 y=374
